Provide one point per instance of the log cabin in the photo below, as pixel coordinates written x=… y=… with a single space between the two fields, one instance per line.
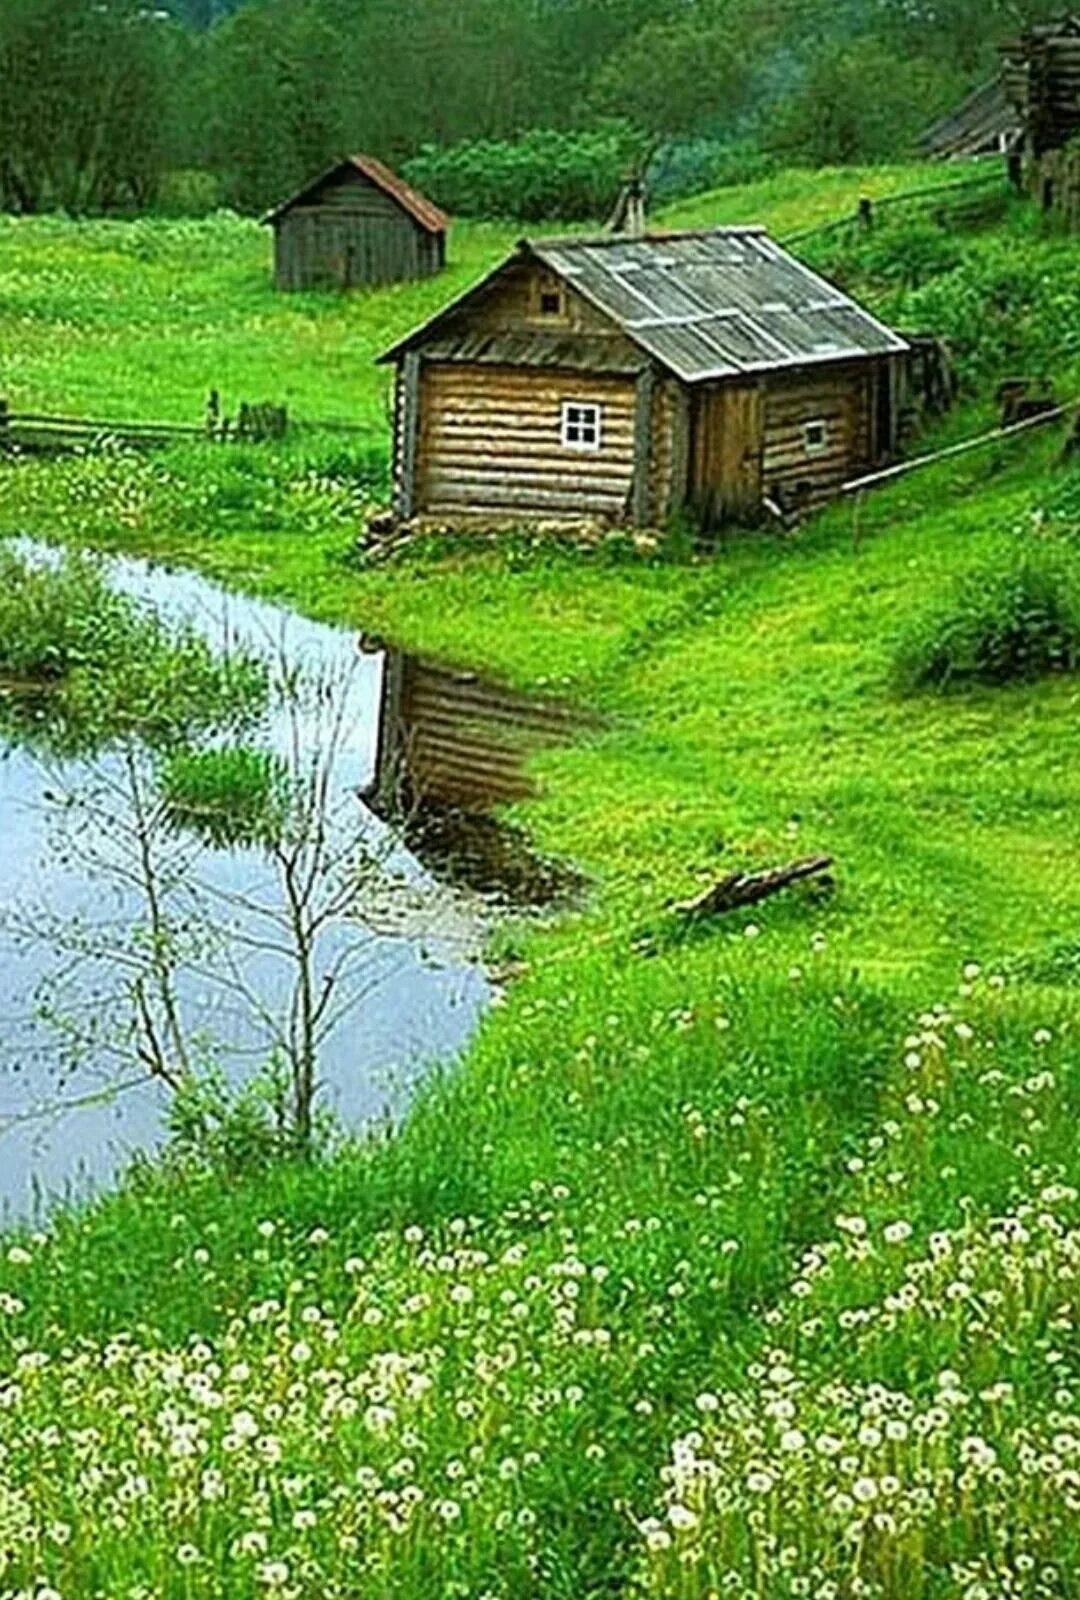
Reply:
x=357 y=225
x=1041 y=79
x=624 y=380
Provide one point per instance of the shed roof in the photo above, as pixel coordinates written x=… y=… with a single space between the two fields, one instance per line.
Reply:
x=982 y=121
x=705 y=305
x=419 y=207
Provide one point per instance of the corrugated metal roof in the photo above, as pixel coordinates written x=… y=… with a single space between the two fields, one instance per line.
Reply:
x=419 y=207
x=706 y=305
x=714 y=305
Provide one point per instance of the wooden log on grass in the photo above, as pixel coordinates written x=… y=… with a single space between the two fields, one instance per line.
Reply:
x=740 y=889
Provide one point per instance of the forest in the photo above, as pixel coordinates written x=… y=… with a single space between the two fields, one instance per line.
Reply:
x=117 y=106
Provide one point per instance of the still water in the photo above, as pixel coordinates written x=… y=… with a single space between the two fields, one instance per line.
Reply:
x=65 y=1127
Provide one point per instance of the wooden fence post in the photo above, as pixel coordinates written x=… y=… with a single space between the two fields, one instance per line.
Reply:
x=643 y=411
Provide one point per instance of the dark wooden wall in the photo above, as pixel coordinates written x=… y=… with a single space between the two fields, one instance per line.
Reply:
x=1041 y=77
x=350 y=234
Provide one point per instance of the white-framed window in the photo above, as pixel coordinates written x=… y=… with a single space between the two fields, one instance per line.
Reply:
x=816 y=437
x=581 y=425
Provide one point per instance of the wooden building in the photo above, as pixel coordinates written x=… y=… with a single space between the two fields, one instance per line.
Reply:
x=984 y=124
x=359 y=224
x=622 y=379
x=1041 y=79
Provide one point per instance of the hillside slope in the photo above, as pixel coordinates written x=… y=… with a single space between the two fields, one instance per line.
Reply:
x=737 y=1259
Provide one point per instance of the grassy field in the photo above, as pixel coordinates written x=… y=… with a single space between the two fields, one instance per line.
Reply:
x=734 y=1261
x=93 y=318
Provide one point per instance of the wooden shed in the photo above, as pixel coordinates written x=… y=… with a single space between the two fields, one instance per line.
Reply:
x=622 y=379
x=359 y=224
x=1041 y=79
x=985 y=123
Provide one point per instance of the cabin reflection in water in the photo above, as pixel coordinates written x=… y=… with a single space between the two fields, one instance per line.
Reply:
x=452 y=746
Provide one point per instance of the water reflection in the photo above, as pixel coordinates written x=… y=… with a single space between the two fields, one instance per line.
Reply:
x=69 y=1121
x=452 y=745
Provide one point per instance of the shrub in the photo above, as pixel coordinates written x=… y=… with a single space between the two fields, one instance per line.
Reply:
x=908 y=252
x=544 y=175
x=234 y=795
x=1014 y=306
x=1011 y=618
x=111 y=664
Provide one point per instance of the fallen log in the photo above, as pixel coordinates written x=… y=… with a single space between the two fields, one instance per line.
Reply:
x=747 y=888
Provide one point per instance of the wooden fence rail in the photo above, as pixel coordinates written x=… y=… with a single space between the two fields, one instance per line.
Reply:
x=986 y=186
x=50 y=433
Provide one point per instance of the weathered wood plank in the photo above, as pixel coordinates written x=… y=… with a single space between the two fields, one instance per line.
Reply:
x=408 y=421
x=643 y=421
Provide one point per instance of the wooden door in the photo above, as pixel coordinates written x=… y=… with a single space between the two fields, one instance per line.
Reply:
x=726 y=453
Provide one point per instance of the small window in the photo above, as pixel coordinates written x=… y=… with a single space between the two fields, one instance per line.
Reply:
x=815 y=438
x=549 y=298
x=580 y=425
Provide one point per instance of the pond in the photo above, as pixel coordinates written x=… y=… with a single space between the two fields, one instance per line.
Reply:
x=66 y=1126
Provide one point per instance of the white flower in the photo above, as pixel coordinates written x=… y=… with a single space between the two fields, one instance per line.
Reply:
x=274 y=1574
x=657 y=1537
x=448 y=1510
x=864 y=1490
x=18 y=1256
x=792 y=1439
x=682 y=1519
x=897 y=1232
x=707 y=1402
x=187 y=1555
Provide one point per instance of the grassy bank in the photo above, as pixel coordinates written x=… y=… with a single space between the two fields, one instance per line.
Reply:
x=734 y=1260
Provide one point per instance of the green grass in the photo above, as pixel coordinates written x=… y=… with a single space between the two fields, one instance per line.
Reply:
x=723 y=1242
x=92 y=317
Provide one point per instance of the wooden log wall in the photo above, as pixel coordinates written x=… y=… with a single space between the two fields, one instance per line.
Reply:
x=839 y=396
x=490 y=444
x=1041 y=78
x=1054 y=181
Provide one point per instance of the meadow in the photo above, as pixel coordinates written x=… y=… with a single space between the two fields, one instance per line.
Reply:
x=735 y=1260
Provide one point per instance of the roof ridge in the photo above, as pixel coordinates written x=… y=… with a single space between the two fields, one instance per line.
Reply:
x=738 y=230
x=423 y=211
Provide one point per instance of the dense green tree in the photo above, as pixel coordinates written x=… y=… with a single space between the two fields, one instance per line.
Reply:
x=102 y=99
x=859 y=102
x=82 y=123
x=683 y=75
